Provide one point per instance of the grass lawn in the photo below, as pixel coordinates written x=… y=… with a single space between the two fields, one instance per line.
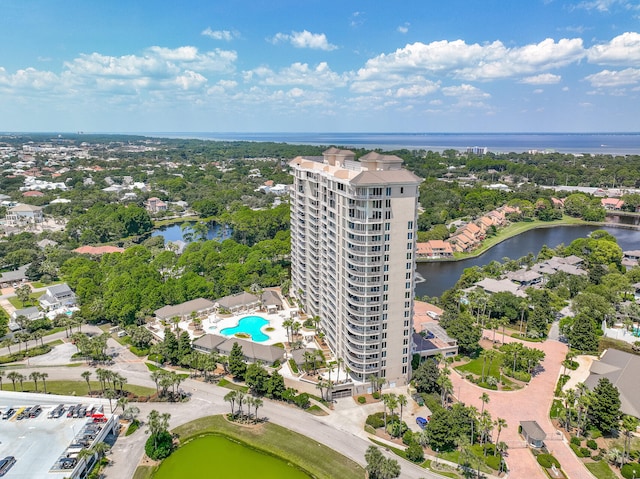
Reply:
x=601 y=470
x=475 y=367
x=315 y=458
x=230 y=385
x=40 y=284
x=144 y=472
x=16 y=303
x=72 y=388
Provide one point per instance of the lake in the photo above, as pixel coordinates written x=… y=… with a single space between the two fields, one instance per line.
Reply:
x=174 y=232
x=217 y=456
x=440 y=276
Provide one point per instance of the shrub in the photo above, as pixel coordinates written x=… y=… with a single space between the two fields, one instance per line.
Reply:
x=591 y=444
x=414 y=452
x=547 y=460
x=362 y=399
x=576 y=440
x=302 y=400
x=585 y=452
x=407 y=438
x=140 y=352
x=573 y=365
x=594 y=433
x=293 y=366
x=627 y=470
x=396 y=428
x=369 y=429
x=159 y=446
x=519 y=375
x=376 y=395
x=376 y=420
x=133 y=427
x=493 y=461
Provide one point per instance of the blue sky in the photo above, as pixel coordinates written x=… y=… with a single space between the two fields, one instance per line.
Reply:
x=320 y=66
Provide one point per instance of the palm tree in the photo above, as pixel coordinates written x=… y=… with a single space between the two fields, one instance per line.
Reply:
x=2 y=374
x=483 y=355
x=34 y=376
x=231 y=397
x=44 y=377
x=6 y=343
x=21 y=377
x=240 y=397
x=123 y=402
x=491 y=355
x=339 y=363
x=257 y=403
x=402 y=401
x=500 y=424
x=87 y=375
x=38 y=335
x=629 y=425
x=155 y=377
x=287 y=323
x=14 y=376
x=110 y=394
x=485 y=400
x=101 y=449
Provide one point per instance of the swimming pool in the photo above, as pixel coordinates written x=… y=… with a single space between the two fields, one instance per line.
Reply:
x=250 y=325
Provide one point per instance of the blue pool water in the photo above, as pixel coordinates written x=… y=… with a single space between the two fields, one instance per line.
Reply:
x=250 y=325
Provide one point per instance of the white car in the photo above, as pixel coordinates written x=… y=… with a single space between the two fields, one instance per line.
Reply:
x=433 y=314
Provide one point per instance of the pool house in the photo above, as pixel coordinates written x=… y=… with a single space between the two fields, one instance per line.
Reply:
x=252 y=351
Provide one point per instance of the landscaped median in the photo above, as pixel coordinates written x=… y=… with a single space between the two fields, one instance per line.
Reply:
x=315 y=459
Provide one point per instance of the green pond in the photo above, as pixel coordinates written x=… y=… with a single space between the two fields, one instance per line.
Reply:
x=216 y=456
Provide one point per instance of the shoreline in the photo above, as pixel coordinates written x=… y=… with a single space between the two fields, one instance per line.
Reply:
x=532 y=226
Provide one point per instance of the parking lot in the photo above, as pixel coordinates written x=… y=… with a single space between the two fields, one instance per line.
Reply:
x=37 y=443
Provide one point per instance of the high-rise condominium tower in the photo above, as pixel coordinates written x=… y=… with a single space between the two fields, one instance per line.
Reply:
x=353 y=235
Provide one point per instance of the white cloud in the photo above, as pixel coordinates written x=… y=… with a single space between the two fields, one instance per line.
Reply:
x=226 y=35
x=29 y=78
x=465 y=90
x=304 y=39
x=608 y=78
x=542 y=79
x=537 y=91
x=404 y=28
x=622 y=50
x=606 y=5
x=473 y=61
x=321 y=77
x=420 y=89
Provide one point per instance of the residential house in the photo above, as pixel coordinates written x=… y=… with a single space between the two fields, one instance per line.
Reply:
x=23 y=214
x=57 y=296
x=434 y=249
x=491 y=286
x=10 y=278
x=630 y=258
x=31 y=313
x=524 y=277
x=155 y=205
x=622 y=370
x=612 y=204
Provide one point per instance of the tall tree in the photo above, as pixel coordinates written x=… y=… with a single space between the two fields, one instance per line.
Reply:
x=605 y=406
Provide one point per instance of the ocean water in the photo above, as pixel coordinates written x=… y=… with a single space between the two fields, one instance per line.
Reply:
x=594 y=143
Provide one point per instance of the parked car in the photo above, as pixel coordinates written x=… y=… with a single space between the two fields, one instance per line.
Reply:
x=35 y=411
x=6 y=464
x=23 y=414
x=8 y=413
x=422 y=421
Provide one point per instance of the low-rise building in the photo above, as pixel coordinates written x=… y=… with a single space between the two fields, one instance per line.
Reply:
x=199 y=307
x=22 y=214
x=57 y=296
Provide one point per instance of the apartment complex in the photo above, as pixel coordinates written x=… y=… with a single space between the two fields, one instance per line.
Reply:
x=353 y=235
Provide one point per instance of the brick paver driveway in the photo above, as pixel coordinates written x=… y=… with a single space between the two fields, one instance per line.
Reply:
x=531 y=403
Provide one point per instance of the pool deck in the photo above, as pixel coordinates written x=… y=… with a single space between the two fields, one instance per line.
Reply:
x=216 y=323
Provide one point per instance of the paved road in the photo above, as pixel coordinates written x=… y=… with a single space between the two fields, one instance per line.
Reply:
x=529 y=404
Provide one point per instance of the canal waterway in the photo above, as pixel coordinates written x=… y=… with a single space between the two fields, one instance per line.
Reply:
x=440 y=276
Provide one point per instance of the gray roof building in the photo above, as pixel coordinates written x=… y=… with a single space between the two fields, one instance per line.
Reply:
x=533 y=433
x=252 y=351
x=622 y=370
x=200 y=306
x=238 y=301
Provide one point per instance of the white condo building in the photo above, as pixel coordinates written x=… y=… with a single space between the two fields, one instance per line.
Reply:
x=353 y=235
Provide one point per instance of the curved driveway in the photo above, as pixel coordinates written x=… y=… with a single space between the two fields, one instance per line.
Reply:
x=531 y=403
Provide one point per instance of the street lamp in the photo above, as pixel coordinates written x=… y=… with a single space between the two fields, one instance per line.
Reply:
x=436 y=456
